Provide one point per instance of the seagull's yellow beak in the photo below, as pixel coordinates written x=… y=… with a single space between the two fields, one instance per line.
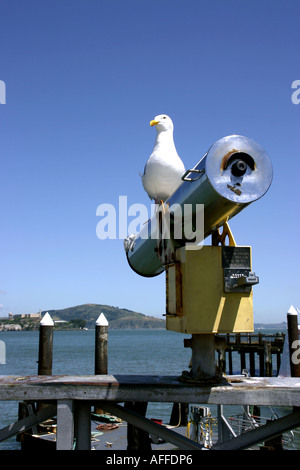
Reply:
x=153 y=122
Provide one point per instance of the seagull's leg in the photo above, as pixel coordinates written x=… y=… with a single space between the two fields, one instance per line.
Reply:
x=161 y=202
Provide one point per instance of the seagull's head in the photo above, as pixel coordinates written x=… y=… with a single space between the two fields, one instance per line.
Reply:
x=162 y=122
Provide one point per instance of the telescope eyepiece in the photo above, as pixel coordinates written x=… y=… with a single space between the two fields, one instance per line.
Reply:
x=239 y=168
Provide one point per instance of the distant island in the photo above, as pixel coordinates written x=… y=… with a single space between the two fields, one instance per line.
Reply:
x=84 y=317
x=116 y=317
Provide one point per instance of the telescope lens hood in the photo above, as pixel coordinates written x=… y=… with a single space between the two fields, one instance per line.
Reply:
x=238 y=169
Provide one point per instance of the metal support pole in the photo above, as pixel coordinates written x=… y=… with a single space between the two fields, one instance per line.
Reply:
x=137 y=420
x=225 y=431
x=65 y=425
x=83 y=426
x=101 y=340
x=203 y=356
x=267 y=431
x=45 y=345
x=27 y=422
x=294 y=344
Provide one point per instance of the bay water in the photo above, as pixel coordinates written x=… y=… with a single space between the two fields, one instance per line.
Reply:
x=141 y=352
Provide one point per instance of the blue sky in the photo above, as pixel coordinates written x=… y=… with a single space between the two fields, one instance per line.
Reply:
x=83 y=79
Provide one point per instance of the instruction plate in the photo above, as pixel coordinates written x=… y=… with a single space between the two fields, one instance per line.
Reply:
x=236 y=257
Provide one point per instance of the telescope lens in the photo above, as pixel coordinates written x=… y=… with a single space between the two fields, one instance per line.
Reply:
x=239 y=168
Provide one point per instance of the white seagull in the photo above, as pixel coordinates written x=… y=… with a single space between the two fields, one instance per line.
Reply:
x=164 y=168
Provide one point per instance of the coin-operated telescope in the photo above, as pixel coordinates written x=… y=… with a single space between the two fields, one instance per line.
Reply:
x=208 y=288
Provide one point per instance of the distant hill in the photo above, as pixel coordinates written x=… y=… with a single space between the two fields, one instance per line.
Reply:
x=116 y=317
x=122 y=318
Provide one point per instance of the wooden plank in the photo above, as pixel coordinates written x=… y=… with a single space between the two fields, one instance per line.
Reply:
x=238 y=390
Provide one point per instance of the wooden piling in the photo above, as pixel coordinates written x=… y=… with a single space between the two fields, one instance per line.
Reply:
x=138 y=440
x=229 y=351
x=261 y=358
x=230 y=369
x=222 y=360
x=45 y=345
x=252 y=364
x=268 y=360
x=261 y=363
x=101 y=343
x=243 y=360
x=248 y=346
x=293 y=335
x=44 y=368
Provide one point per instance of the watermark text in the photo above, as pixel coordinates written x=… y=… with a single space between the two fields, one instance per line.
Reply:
x=2 y=353
x=296 y=354
x=296 y=94
x=2 y=92
x=164 y=221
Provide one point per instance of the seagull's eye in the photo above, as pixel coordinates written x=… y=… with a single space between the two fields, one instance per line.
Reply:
x=164 y=117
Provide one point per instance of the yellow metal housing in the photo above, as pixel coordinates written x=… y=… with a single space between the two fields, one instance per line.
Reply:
x=195 y=297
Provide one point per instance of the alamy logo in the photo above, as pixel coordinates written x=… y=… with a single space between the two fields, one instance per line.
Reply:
x=2 y=353
x=2 y=92
x=296 y=354
x=296 y=94
x=122 y=221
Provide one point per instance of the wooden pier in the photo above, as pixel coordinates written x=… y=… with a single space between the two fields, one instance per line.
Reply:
x=71 y=398
x=266 y=347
